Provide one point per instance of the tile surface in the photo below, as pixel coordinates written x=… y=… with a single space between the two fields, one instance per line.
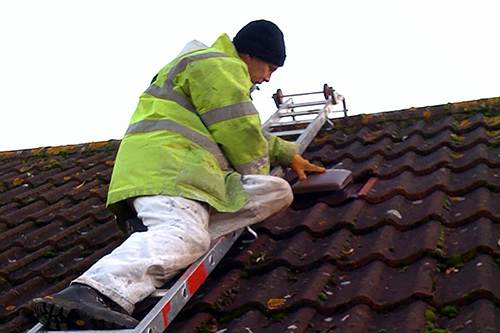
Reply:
x=411 y=245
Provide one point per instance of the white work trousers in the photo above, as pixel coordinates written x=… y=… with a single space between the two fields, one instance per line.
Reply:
x=179 y=232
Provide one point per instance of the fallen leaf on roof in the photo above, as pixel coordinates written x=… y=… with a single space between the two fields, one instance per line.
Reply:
x=80 y=185
x=274 y=303
x=10 y=307
x=427 y=114
x=17 y=181
x=451 y=270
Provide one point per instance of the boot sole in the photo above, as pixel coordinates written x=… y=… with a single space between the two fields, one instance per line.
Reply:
x=63 y=314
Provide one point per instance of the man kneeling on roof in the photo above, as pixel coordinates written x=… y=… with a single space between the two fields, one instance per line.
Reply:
x=193 y=165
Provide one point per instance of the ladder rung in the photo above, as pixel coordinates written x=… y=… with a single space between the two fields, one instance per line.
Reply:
x=291 y=123
x=298 y=105
x=289 y=133
x=298 y=113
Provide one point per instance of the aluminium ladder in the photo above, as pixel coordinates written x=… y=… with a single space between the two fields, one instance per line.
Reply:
x=300 y=125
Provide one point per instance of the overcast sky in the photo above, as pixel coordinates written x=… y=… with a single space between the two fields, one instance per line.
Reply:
x=72 y=71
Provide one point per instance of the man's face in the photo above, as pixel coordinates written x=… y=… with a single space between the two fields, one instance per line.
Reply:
x=259 y=70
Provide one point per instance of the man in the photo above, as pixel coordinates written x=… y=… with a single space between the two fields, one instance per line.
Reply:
x=193 y=165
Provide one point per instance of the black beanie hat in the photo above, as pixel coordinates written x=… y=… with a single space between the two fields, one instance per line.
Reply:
x=262 y=39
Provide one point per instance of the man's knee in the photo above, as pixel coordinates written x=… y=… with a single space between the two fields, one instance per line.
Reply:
x=261 y=185
x=197 y=242
x=282 y=191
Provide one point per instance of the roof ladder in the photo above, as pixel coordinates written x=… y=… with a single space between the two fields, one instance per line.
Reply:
x=294 y=119
x=298 y=126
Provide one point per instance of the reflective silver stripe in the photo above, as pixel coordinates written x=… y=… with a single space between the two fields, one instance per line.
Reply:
x=166 y=91
x=254 y=166
x=182 y=64
x=228 y=112
x=268 y=137
x=145 y=126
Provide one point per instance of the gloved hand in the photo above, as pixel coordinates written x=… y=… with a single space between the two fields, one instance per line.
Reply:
x=301 y=165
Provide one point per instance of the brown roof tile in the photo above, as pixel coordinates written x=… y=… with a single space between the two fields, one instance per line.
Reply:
x=412 y=244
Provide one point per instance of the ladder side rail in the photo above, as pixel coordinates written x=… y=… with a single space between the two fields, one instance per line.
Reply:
x=162 y=314
x=38 y=328
x=165 y=310
x=308 y=135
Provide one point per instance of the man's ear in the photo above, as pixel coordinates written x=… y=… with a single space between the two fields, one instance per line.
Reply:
x=245 y=57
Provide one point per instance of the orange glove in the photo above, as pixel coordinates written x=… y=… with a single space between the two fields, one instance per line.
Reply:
x=301 y=165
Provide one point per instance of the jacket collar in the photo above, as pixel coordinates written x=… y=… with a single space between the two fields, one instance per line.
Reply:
x=224 y=44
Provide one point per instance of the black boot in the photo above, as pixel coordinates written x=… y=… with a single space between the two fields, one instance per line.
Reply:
x=80 y=307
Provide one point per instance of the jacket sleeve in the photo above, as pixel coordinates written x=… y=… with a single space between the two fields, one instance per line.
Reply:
x=219 y=88
x=281 y=152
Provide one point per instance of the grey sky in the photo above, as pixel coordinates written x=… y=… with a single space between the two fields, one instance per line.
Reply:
x=72 y=71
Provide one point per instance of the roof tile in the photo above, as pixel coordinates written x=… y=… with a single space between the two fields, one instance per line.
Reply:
x=411 y=244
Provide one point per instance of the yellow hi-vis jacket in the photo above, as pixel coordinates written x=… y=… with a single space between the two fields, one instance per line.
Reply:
x=194 y=133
